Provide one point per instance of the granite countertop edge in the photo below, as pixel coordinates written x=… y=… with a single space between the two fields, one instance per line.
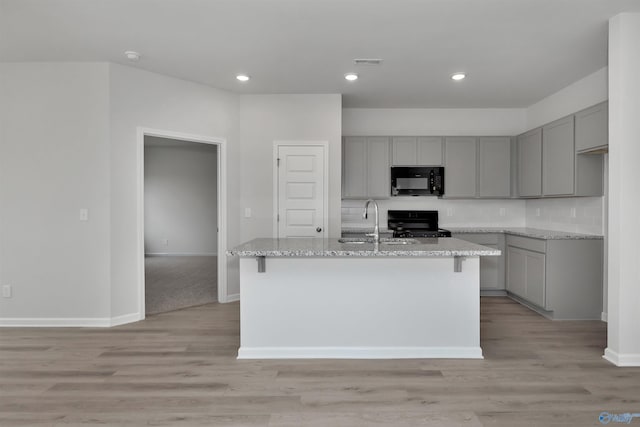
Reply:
x=362 y=253
x=309 y=247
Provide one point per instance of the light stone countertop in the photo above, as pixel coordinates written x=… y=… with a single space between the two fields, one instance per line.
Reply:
x=310 y=247
x=535 y=233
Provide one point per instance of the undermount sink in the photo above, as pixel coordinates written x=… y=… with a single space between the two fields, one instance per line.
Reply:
x=383 y=241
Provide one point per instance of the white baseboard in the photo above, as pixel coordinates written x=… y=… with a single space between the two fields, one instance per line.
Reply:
x=621 y=359
x=233 y=297
x=604 y=316
x=125 y=318
x=68 y=322
x=181 y=254
x=360 y=353
x=56 y=322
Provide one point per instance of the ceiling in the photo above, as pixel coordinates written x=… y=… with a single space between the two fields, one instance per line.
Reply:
x=515 y=52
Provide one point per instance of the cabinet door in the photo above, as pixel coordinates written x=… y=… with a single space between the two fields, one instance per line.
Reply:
x=354 y=167
x=516 y=271
x=535 y=278
x=490 y=270
x=378 y=172
x=430 y=151
x=405 y=150
x=495 y=167
x=460 y=167
x=530 y=164
x=558 y=158
x=592 y=128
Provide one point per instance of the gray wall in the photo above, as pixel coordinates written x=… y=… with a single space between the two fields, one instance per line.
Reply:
x=180 y=197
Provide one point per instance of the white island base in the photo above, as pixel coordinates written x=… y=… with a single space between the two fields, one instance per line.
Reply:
x=359 y=307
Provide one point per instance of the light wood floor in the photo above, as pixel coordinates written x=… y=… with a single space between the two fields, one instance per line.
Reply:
x=179 y=369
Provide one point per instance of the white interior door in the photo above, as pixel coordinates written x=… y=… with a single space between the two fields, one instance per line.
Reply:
x=301 y=194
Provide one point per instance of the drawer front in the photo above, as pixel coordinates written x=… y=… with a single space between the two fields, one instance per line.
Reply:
x=535 y=245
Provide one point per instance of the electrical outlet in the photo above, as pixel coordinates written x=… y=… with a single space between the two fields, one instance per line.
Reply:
x=449 y=211
x=573 y=212
x=6 y=291
x=84 y=214
x=165 y=242
x=537 y=211
x=503 y=211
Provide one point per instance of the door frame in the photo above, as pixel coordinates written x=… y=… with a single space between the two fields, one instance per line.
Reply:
x=325 y=197
x=221 y=144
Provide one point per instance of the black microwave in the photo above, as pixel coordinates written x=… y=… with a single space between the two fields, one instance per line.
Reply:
x=417 y=180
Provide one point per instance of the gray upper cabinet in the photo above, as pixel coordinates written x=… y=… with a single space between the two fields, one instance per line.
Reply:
x=412 y=150
x=354 y=167
x=530 y=163
x=460 y=171
x=592 y=128
x=494 y=167
x=378 y=172
x=404 y=150
x=365 y=167
x=429 y=150
x=558 y=156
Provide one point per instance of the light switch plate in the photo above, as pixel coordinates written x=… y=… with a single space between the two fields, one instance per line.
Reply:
x=247 y=212
x=84 y=214
x=6 y=291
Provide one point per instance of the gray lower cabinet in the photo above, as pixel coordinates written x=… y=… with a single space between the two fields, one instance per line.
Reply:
x=526 y=275
x=460 y=167
x=561 y=279
x=365 y=167
x=492 y=268
x=416 y=150
x=592 y=128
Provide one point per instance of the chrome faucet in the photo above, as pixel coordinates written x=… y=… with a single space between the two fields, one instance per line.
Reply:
x=376 y=227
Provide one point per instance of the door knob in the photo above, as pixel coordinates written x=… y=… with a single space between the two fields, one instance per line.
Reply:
x=318 y=229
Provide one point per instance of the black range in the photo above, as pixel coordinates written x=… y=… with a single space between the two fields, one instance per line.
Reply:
x=415 y=224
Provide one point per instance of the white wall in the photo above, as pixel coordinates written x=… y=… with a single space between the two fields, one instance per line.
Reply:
x=54 y=160
x=584 y=93
x=433 y=121
x=623 y=337
x=141 y=98
x=180 y=197
x=268 y=118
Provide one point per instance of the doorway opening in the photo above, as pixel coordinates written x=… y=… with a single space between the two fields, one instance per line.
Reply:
x=182 y=205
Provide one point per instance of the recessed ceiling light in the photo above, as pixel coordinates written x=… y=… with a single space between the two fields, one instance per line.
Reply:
x=458 y=76
x=243 y=77
x=132 y=55
x=351 y=76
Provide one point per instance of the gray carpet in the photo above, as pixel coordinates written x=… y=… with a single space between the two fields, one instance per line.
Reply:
x=174 y=282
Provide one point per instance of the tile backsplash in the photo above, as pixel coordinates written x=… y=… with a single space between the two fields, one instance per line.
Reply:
x=575 y=214
x=452 y=213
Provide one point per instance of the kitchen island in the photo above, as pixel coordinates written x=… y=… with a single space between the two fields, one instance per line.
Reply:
x=320 y=298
